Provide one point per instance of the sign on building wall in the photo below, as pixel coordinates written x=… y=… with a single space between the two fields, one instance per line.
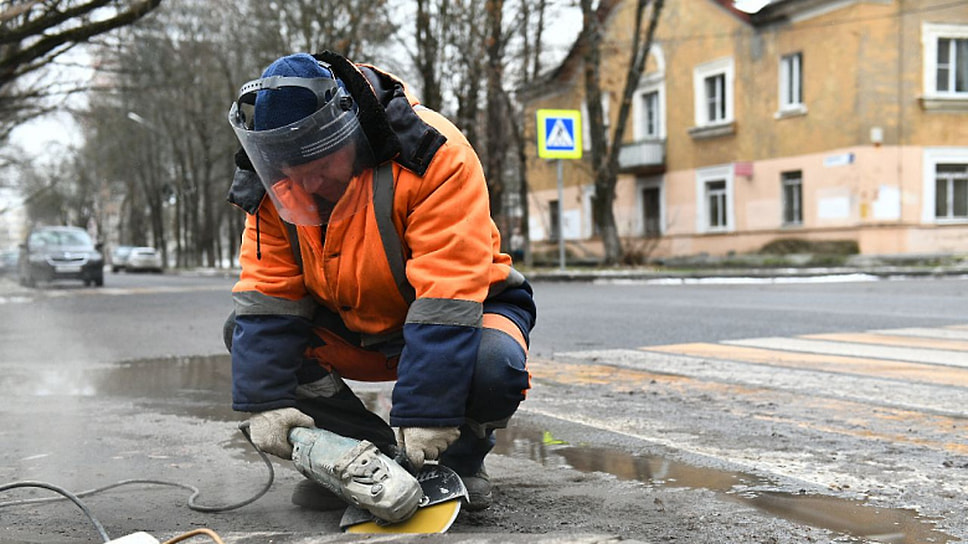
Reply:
x=559 y=134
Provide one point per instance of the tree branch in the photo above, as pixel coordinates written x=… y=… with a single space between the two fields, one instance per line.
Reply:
x=9 y=64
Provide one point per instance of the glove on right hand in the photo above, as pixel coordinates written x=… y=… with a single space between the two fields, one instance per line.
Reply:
x=269 y=430
x=426 y=443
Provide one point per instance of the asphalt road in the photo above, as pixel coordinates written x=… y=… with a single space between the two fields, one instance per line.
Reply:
x=629 y=314
x=698 y=413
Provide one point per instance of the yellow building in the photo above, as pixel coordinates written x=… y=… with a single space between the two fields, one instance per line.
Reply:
x=811 y=119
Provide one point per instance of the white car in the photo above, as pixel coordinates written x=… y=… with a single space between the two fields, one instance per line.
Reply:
x=143 y=259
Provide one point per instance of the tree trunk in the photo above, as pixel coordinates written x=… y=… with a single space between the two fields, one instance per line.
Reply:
x=605 y=154
x=496 y=151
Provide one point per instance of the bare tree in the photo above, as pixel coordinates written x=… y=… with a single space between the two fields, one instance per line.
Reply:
x=531 y=29
x=159 y=124
x=348 y=27
x=34 y=33
x=478 y=54
x=497 y=113
x=430 y=49
x=604 y=148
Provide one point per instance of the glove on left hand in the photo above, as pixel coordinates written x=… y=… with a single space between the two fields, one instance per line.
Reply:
x=270 y=430
x=425 y=443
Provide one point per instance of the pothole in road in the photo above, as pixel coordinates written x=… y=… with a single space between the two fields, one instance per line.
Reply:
x=851 y=517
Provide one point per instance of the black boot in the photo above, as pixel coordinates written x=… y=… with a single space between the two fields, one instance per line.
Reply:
x=479 y=490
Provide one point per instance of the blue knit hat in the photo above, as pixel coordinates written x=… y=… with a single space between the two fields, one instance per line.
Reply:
x=286 y=105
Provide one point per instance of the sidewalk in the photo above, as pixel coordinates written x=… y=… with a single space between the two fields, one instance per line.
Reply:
x=758 y=267
x=735 y=269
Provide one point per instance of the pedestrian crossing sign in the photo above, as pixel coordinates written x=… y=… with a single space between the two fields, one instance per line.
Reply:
x=559 y=134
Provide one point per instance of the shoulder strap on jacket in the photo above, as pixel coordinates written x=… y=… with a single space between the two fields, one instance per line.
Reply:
x=383 y=208
x=294 y=243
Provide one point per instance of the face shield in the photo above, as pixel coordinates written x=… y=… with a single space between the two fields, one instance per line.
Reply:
x=314 y=157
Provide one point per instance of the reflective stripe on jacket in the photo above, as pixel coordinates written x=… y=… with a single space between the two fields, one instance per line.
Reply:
x=452 y=260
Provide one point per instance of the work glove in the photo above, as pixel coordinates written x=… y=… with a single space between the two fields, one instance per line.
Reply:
x=425 y=443
x=269 y=430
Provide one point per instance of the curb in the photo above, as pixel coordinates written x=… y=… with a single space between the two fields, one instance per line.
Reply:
x=887 y=272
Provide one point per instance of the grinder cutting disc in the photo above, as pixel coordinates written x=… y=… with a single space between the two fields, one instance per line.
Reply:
x=443 y=493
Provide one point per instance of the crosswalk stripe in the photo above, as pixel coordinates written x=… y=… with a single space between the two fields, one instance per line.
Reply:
x=942 y=375
x=927 y=356
x=839 y=405
x=901 y=390
x=892 y=340
x=948 y=333
x=870 y=390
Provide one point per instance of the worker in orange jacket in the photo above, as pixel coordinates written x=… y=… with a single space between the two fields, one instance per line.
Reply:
x=369 y=253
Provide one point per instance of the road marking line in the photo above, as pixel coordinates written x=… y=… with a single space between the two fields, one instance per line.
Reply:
x=892 y=340
x=895 y=370
x=844 y=416
x=870 y=390
x=948 y=333
x=928 y=356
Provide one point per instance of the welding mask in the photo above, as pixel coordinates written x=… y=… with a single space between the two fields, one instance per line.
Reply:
x=299 y=127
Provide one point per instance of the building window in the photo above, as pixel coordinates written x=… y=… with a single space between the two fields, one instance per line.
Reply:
x=716 y=98
x=714 y=199
x=716 y=204
x=945 y=66
x=791 y=82
x=951 y=191
x=951 y=68
x=651 y=116
x=713 y=88
x=945 y=185
x=792 y=187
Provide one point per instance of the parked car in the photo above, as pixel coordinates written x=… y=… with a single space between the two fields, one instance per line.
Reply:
x=119 y=258
x=8 y=262
x=60 y=253
x=143 y=259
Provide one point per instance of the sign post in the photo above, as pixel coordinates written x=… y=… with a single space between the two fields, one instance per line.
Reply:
x=559 y=137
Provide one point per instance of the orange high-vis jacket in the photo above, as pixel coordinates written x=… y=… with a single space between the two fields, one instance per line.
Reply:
x=454 y=271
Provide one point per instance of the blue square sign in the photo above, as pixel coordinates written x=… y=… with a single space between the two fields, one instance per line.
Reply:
x=559 y=134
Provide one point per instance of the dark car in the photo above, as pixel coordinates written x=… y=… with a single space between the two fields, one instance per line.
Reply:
x=8 y=262
x=60 y=253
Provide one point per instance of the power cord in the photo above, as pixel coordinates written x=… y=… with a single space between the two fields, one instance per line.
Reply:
x=65 y=493
x=75 y=497
x=207 y=532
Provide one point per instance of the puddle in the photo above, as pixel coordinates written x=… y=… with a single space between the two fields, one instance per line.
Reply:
x=201 y=387
x=189 y=386
x=851 y=517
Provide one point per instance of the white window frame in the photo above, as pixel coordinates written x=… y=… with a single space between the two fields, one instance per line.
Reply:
x=934 y=98
x=790 y=84
x=703 y=177
x=932 y=158
x=724 y=67
x=640 y=129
